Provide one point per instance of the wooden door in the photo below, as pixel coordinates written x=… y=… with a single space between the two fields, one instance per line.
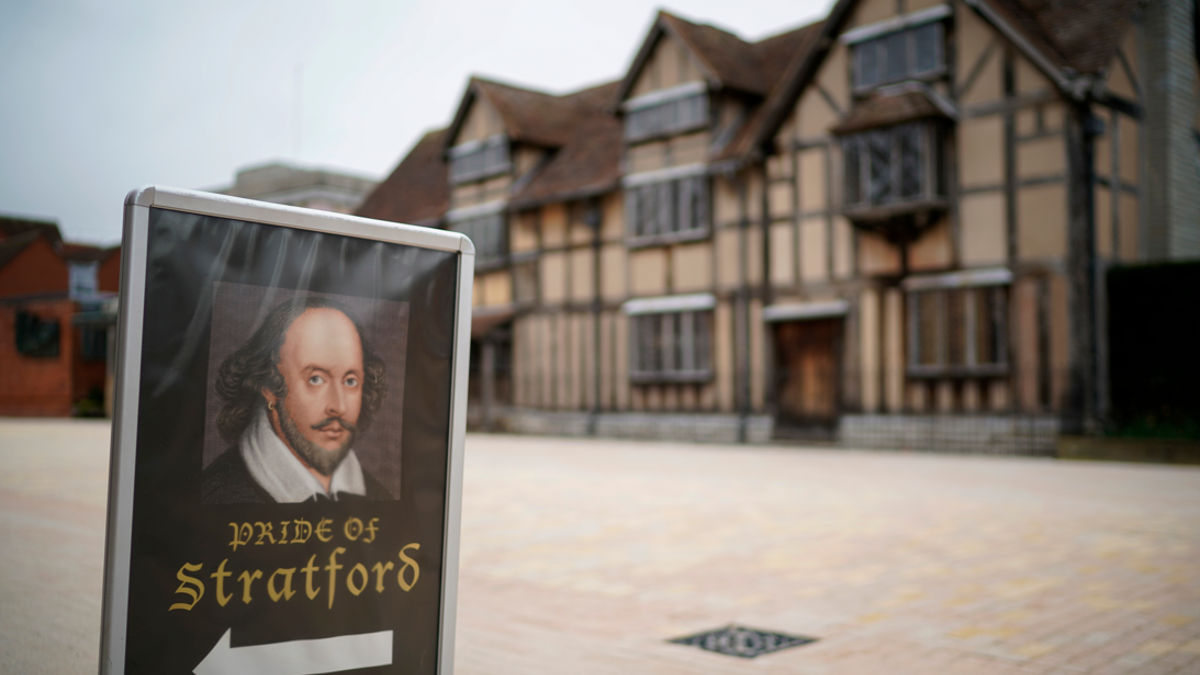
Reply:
x=806 y=358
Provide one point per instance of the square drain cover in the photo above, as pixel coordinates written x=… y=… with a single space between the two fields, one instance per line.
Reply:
x=747 y=643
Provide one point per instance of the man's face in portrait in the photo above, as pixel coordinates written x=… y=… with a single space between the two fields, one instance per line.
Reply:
x=321 y=362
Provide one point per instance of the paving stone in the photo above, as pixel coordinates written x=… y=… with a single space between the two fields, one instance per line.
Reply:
x=587 y=556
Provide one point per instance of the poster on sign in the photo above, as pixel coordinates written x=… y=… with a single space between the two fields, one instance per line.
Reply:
x=287 y=442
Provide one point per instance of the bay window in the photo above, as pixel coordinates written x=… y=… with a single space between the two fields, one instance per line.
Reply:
x=893 y=166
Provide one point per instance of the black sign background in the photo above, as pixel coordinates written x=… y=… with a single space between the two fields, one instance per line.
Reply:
x=187 y=254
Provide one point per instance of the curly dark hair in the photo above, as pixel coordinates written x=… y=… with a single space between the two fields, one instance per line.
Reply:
x=255 y=366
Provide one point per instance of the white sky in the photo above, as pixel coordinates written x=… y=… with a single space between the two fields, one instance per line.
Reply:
x=98 y=97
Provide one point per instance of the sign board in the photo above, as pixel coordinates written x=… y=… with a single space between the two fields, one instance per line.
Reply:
x=287 y=444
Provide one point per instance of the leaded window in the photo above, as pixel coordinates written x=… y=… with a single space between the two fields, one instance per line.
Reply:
x=912 y=53
x=668 y=117
x=671 y=347
x=958 y=331
x=891 y=166
x=479 y=159
x=667 y=209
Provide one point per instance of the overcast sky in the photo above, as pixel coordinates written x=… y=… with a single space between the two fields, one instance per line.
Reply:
x=98 y=97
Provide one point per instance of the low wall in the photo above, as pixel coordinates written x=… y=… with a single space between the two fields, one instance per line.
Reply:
x=700 y=428
x=973 y=434
x=1157 y=450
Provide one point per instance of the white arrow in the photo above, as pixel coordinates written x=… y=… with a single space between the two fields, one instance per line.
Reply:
x=299 y=657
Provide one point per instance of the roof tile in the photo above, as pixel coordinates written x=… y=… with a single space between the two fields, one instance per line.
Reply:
x=884 y=110
x=418 y=191
x=590 y=163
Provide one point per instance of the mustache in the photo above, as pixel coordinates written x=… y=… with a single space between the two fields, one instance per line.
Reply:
x=320 y=426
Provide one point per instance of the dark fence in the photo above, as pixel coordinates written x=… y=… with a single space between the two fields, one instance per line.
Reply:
x=1154 y=347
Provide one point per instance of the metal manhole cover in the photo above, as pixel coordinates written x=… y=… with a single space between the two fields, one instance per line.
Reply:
x=747 y=643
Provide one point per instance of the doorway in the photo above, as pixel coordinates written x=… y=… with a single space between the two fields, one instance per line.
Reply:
x=807 y=376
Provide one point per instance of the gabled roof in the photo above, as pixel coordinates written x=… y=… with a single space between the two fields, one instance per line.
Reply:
x=84 y=252
x=418 y=190
x=1063 y=38
x=11 y=247
x=11 y=226
x=733 y=63
x=528 y=116
x=776 y=54
x=590 y=163
x=18 y=234
x=892 y=106
x=1081 y=35
x=778 y=51
x=727 y=61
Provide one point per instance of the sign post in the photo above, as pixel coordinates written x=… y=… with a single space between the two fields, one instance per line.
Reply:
x=286 y=473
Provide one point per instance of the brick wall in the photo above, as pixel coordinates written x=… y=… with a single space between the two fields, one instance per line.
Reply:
x=37 y=269
x=33 y=386
x=108 y=277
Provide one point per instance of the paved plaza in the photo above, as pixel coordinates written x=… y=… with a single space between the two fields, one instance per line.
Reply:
x=586 y=556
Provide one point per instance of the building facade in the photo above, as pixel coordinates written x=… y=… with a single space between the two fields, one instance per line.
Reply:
x=54 y=343
x=281 y=183
x=889 y=227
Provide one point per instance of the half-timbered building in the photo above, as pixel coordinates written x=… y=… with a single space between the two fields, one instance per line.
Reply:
x=889 y=227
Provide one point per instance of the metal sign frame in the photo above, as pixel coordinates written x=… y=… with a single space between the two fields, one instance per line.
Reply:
x=119 y=539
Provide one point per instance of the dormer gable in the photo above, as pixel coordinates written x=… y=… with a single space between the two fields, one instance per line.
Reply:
x=1068 y=46
x=477 y=142
x=677 y=52
x=690 y=77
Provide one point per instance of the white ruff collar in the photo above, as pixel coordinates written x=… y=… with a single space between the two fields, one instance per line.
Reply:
x=276 y=469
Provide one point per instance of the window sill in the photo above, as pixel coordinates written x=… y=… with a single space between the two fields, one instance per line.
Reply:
x=667 y=133
x=459 y=181
x=681 y=377
x=926 y=78
x=672 y=238
x=957 y=372
x=886 y=212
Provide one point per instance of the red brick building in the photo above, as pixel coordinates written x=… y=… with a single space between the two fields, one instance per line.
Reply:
x=51 y=364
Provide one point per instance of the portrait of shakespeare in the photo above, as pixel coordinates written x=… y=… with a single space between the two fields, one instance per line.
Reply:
x=293 y=400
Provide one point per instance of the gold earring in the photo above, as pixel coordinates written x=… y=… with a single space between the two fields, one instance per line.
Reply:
x=271 y=406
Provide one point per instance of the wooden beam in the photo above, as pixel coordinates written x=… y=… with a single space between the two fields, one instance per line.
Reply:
x=1010 y=157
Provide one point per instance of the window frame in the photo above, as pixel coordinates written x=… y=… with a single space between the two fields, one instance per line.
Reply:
x=671 y=347
x=34 y=337
x=680 y=332
x=670 y=204
x=971 y=365
x=496 y=148
x=487 y=255
x=857 y=155
x=911 y=51
x=674 y=104
x=83 y=278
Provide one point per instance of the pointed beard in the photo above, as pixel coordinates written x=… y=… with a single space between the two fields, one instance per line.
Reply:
x=325 y=462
